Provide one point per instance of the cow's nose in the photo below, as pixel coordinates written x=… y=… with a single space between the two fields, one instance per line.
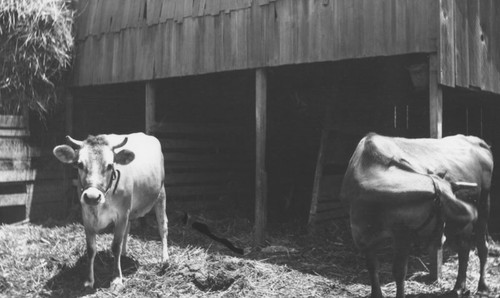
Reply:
x=92 y=196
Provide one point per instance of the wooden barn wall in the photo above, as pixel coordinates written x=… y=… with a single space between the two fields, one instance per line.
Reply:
x=207 y=135
x=121 y=41
x=30 y=176
x=470 y=44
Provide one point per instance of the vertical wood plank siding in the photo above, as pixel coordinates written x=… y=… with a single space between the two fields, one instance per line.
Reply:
x=132 y=40
x=470 y=44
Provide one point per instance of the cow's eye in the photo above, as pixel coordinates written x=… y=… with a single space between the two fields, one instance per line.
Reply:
x=110 y=167
x=79 y=165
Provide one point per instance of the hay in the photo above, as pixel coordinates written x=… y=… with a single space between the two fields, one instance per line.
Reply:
x=36 y=44
x=49 y=260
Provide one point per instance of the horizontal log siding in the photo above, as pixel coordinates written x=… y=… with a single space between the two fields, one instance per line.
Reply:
x=135 y=40
x=204 y=160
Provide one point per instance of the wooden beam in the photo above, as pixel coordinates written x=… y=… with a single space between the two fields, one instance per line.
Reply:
x=150 y=102
x=435 y=99
x=260 y=158
x=436 y=131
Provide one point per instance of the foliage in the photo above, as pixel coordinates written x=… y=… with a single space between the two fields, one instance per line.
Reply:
x=36 y=45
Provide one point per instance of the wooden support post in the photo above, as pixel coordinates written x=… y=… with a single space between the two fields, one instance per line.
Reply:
x=435 y=99
x=150 y=102
x=260 y=158
x=436 y=131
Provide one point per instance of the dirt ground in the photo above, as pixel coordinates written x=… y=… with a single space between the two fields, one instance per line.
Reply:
x=48 y=260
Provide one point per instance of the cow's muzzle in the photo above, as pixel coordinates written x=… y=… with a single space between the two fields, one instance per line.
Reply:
x=92 y=196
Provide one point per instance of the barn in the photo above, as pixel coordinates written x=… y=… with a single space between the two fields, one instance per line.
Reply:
x=260 y=103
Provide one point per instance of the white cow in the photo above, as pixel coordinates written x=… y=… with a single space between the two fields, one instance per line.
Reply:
x=116 y=187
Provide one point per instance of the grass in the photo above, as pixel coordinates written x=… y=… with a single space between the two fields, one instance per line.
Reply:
x=48 y=260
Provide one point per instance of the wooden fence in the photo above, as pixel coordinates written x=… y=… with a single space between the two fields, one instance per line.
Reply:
x=16 y=174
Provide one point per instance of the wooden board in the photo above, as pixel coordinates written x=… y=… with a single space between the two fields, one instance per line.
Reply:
x=210 y=36
x=260 y=158
x=13 y=199
x=12 y=121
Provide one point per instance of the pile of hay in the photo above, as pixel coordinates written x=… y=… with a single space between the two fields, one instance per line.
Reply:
x=36 y=45
x=49 y=261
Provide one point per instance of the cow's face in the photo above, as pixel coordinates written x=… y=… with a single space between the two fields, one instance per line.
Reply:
x=95 y=160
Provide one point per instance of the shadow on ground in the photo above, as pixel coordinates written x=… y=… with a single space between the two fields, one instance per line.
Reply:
x=68 y=282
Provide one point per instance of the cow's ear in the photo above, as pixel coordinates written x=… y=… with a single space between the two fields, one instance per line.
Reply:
x=65 y=153
x=124 y=157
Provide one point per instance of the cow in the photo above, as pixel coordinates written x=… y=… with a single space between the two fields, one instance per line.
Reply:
x=121 y=178
x=405 y=189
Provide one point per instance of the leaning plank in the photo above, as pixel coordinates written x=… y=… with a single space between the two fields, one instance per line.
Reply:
x=318 y=176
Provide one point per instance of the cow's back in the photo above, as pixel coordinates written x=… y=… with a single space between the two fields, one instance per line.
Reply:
x=142 y=178
x=459 y=158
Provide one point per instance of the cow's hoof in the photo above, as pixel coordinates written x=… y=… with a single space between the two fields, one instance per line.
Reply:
x=483 y=289
x=163 y=269
x=116 y=284
x=458 y=294
x=88 y=284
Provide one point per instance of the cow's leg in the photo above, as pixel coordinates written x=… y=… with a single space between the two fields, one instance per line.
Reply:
x=91 y=253
x=463 y=260
x=482 y=252
x=400 y=264
x=161 y=218
x=482 y=239
x=372 y=265
x=116 y=248
x=125 y=238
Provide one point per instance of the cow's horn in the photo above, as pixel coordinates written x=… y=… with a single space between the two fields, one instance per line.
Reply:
x=73 y=142
x=121 y=144
x=463 y=185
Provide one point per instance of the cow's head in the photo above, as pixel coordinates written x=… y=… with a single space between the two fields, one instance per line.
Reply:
x=95 y=160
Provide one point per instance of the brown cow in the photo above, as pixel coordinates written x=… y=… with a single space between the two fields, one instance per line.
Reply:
x=413 y=188
x=121 y=178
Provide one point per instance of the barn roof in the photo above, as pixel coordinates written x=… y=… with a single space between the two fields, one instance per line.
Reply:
x=134 y=40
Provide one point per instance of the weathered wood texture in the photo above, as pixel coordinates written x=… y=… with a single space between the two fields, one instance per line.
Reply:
x=29 y=176
x=16 y=174
x=469 y=47
x=435 y=100
x=134 y=40
x=260 y=158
